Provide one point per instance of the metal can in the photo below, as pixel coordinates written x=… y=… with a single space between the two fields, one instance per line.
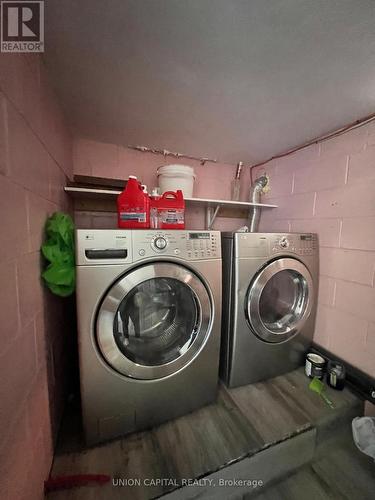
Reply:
x=315 y=365
x=336 y=375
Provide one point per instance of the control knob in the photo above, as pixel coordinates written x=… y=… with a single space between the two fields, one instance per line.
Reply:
x=284 y=243
x=160 y=243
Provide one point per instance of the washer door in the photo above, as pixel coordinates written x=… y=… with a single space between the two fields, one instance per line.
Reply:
x=154 y=321
x=279 y=300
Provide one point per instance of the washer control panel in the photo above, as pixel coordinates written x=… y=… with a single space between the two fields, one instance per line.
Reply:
x=103 y=246
x=301 y=244
x=203 y=244
x=188 y=245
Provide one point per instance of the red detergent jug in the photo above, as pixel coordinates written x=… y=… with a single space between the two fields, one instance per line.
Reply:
x=133 y=206
x=170 y=210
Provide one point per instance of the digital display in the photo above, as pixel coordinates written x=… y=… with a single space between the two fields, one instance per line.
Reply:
x=199 y=236
x=306 y=237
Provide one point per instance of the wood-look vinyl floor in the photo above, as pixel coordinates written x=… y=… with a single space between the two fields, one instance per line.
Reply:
x=240 y=423
x=283 y=406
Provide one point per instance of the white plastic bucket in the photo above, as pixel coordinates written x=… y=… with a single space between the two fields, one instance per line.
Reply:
x=174 y=177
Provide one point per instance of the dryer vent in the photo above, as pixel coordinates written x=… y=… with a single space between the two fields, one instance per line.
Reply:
x=255 y=192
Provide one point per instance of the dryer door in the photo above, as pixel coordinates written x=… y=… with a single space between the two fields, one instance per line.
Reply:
x=279 y=300
x=154 y=321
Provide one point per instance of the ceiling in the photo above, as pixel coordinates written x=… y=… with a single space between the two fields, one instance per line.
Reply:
x=233 y=80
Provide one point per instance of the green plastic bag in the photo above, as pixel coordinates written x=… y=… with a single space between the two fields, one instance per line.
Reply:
x=58 y=250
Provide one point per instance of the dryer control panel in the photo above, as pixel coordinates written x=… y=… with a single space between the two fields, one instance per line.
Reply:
x=254 y=245
x=301 y=244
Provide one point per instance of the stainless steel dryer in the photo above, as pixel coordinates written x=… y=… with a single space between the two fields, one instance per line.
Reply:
x=149 y=313
x=270 y=284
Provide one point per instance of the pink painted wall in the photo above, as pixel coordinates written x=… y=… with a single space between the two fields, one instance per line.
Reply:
x=35 y=158
x=329 y=188
x=109 y=160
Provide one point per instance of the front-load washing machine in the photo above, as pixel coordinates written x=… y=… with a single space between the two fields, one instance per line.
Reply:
x=149 y=324
x=270 y=284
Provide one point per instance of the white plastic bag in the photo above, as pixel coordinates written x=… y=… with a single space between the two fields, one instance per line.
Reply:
x=364 y=435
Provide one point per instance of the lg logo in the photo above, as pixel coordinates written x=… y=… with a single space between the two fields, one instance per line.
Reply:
x=22 y=26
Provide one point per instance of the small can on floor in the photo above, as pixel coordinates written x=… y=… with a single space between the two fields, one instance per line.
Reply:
x=336 y=375
x=315 y=365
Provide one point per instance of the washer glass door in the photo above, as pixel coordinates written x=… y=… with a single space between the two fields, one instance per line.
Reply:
x=279 y=300
x=154 y=321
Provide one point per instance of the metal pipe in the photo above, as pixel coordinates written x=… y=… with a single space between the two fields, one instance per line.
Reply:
x=254 y=212
x=165 y=152
x=347 y=128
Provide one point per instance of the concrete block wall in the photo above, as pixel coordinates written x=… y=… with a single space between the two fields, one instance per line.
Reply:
x=35 y=158
x=117 y=162
x=329 y=188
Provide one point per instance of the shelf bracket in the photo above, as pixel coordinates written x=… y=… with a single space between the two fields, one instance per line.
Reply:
x=211 y=215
